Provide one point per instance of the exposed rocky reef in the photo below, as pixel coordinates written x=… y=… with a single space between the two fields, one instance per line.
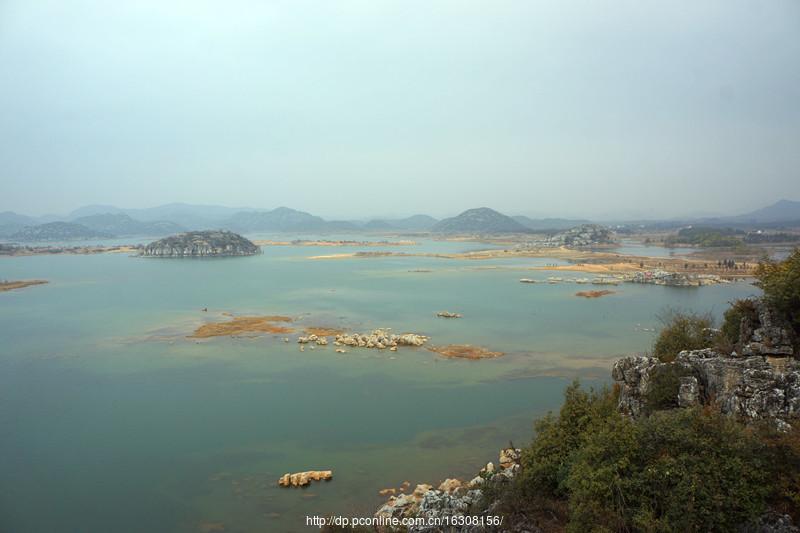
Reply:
x=302 y=479
x=448 y=314
x=201 y=244
x=380 y=339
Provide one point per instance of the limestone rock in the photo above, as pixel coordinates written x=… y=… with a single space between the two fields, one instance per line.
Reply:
x=302 y=479
x=450 y=485
x=751 y=388
x=380 y=339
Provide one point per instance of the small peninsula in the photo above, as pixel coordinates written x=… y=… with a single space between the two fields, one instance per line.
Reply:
x=201 y=244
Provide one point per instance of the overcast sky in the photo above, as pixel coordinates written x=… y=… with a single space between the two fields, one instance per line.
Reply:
x=361 y=108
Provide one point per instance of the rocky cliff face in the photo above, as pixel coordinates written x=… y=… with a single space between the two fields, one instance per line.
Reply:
x=762 y=382
x=751 y=388
x=201 y=244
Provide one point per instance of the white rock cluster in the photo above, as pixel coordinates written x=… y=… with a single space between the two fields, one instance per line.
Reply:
x=380 y=339
x=319 y=341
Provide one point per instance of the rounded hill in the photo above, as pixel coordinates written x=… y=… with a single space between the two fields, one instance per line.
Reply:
x=201 y=244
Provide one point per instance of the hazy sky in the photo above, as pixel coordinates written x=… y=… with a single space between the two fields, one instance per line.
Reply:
x=358 y=108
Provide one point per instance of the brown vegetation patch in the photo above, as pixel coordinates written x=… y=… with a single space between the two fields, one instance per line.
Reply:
x=243 y=324
x=593 y=294
x=11 y=285
x=465 y=351
x=323 y=332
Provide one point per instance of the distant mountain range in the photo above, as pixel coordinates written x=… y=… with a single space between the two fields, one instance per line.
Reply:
x=781 y=212
x=58 y=231
x=544 y=224
x=121 y=225
x=480 y=220
x=106 y=220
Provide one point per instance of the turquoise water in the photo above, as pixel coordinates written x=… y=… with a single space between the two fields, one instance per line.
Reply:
x=112 y=420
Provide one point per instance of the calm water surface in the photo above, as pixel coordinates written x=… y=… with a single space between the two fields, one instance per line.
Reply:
x=112 y=420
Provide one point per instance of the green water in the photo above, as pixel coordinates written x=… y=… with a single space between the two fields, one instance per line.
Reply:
x=112 y=420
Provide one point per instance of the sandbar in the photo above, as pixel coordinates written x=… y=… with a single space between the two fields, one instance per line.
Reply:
x=243 y=324
x=593 y=294
x=12 y=285
x=465 y=351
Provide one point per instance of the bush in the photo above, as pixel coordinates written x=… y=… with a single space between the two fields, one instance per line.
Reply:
x=683 y=331
x=663 y=387
x=680 y=469
x=676 y=470
x=783 y=458
x=732 y=322
x=544 y=462
x=780 y=281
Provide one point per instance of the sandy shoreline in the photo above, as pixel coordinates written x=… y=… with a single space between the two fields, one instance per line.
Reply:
x=333 y=243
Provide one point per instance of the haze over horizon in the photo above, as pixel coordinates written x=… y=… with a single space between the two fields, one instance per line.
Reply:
x=360 y=109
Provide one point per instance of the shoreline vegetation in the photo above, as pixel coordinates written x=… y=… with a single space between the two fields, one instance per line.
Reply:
x=15 y=285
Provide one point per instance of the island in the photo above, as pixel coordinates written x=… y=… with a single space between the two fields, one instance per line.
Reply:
x=201 y=244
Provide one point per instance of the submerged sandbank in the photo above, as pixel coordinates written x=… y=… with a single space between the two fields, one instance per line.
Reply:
x=243 y=324
x=13 y=285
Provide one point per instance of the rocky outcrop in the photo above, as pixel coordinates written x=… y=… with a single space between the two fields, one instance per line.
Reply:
x=380 y=339
x=583 y=235
x=452 y=498
x=763 y=334
x=750 y=388
x=201 y=244
x=301 y=479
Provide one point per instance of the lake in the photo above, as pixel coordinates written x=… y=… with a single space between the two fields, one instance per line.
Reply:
x=113 y=420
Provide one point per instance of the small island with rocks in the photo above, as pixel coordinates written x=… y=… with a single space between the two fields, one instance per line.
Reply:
x=201 y=244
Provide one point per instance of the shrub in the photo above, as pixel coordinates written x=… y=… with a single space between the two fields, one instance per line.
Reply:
x=732 y=322
x=680 y=469
x=663 y=386
x=683 y=331
x=675 y=470
x=780 y=281
x=544 y=463
x=783 y=457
